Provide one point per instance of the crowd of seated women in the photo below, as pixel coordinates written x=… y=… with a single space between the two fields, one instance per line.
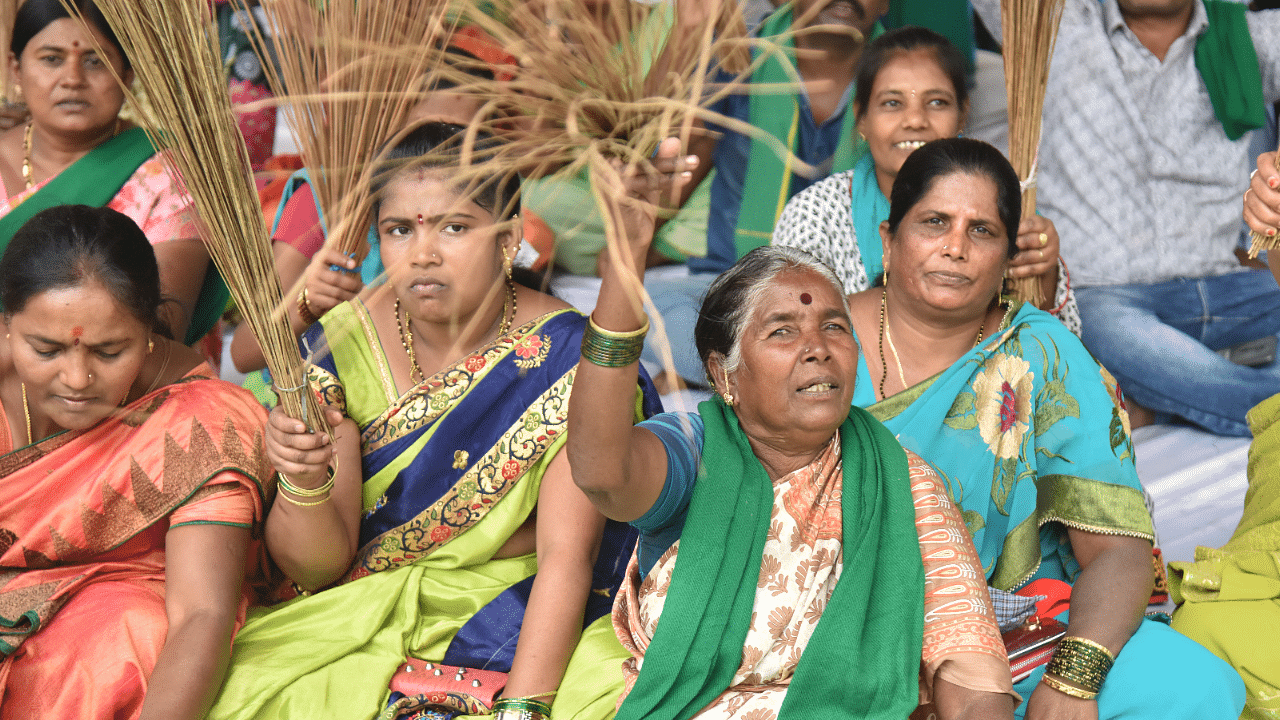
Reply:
x=500 y=518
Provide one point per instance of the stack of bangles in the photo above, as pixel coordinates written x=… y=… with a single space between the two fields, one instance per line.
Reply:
x=290 y=489
x=521 y=709
x=612 y=349
x=1079 y=667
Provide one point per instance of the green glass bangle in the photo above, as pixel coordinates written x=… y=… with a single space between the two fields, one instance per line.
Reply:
x=522 y=707
x=610 y=349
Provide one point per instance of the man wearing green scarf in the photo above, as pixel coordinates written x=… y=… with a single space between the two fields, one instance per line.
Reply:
x=819 y=43
x=1144 y=155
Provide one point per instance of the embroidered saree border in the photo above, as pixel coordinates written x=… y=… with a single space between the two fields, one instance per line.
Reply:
x=1074 y=502
x=539 y=429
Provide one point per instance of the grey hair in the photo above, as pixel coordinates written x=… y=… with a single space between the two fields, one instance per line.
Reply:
x=733 y=297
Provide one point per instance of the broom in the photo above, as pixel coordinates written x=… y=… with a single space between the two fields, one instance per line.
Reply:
x=350 y=71
x=1030 y=28
x=172 y=45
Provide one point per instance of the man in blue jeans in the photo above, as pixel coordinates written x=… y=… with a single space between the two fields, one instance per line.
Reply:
x=1143 y=160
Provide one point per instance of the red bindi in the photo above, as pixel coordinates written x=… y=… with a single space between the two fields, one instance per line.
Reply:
x=806 y=298
x=76 y=332
x=420 y=220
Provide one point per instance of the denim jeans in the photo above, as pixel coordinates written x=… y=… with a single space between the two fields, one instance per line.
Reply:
x=1159 y=342
x=677 y=297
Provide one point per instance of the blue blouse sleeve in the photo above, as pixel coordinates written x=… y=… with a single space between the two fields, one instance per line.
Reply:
x=681 y=435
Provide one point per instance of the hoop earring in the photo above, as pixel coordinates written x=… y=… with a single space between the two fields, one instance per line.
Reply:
x=884 y=282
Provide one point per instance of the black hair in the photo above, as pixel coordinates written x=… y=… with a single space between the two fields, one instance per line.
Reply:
x=733 y=296
x=64 y=246
x=35 y=15
x=438 y=144
x=952 y=155
x=903 y=40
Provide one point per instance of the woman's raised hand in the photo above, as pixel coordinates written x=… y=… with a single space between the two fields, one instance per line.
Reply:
x=632 y=194
x=1037 y=248
x=301 y=455
x=327 y=288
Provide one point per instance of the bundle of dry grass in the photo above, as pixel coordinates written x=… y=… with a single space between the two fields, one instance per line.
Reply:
x=8 y=10
x=173 y=47
x=1258 y=241
x=349 y=72
x=1030 y=28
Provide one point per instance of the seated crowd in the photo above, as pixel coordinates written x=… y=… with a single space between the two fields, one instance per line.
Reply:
x=502 y=520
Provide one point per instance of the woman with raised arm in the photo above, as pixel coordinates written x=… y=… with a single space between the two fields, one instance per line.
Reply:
x=442 y=524
x=76 y=149
x=132 y=488
x=781 y=569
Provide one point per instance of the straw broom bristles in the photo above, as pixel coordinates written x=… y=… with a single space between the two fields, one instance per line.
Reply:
x=349 y=71
x=172 y=45
x=1030 y=28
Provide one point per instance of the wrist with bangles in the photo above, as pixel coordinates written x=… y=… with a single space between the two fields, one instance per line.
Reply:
x=611 y=349
x=292 y=491
x=304 y=309
x=521 y=708
x=1079 y=667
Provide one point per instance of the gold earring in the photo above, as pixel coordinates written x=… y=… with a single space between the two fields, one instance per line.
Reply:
x=151 y=345
x=728 y=399
x=507 y=261
x=885 y=281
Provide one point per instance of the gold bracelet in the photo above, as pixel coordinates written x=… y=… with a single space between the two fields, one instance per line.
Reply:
x=1062 y=687
x=299 y=503
x=613 y=335
x=306 y=492
x=304 y=308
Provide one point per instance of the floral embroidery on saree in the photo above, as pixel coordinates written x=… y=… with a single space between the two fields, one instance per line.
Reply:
x=486 y=482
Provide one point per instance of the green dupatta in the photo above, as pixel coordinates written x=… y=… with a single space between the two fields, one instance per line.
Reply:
x=1228 y=64
x=863 y=660
x=766 y=187
x=94 y=180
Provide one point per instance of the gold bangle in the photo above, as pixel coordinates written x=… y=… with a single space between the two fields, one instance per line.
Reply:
x=1076 y=639
x=304 y=308
x=613 y=335
x=1062 y=687
x=299 y=503
x=306 y=492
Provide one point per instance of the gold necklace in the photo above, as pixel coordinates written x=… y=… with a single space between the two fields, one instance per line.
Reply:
x=26 y=411
x=403 y=324
x=897 y=359
x=26 y=156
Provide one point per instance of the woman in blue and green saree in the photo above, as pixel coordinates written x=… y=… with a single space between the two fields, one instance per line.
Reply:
x=1031 y=437
x=441 y=522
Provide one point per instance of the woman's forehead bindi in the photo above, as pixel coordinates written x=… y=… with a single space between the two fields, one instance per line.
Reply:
x=806 y=298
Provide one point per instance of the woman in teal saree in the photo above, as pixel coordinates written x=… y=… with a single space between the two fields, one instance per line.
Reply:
x=1028 y=432
x=451 y=531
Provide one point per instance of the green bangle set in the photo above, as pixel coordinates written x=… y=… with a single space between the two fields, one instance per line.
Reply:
x=1082 y=662
x=521 y=709
x=612 y=349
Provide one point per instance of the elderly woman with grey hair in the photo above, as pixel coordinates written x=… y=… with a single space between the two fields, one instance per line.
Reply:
x=790 y=550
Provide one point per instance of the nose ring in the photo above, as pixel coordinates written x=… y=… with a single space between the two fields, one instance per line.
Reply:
x=90 y=377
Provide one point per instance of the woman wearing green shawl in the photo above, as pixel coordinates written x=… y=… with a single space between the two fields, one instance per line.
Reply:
x=911 y=88
x=781 y=570
x=75 y=150
x=1031 y=436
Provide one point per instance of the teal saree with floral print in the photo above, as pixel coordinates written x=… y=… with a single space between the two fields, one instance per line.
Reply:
x=1032 y=437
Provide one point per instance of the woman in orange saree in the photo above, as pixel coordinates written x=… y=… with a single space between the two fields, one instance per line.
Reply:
x=131 y=484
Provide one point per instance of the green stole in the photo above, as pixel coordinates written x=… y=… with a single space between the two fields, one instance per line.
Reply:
x=863 y=660
x=766 y=187
x=94 y=180
x=1228 y=64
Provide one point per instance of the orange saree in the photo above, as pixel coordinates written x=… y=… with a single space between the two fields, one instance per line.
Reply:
x=83 y=518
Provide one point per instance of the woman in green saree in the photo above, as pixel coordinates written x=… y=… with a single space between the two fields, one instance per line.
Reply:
x=447 y=491
x=1030 y=434
x=76 y=149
